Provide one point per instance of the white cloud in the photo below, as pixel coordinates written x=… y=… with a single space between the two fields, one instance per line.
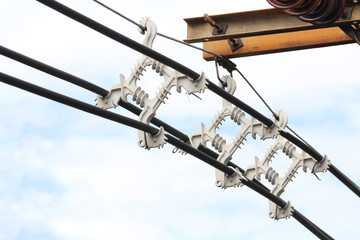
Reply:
x=81 y=177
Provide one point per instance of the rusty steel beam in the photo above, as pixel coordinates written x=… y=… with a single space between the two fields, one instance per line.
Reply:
x=280 y=42
x=255 y=23
x=268 y=31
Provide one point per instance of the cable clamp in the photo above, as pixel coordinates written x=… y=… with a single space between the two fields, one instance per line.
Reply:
x=322 y=165
x=192 y=86
x=235 y=180
x=277 y=212
x=153 y=141
x=315 y=166
x=182 y=152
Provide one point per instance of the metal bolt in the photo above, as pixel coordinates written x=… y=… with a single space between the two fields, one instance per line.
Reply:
x=208 y=19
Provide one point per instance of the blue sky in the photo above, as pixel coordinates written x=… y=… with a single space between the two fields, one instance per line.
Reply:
x=65 y=174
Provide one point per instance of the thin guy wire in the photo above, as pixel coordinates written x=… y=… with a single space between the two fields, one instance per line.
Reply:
x=204 y=50
x=160 y=34
x=298 y=136
x=189 y=45
x=256 y=92
x=121 y=15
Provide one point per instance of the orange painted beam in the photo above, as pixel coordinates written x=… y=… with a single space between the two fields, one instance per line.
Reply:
x=256 y=23
x=280 y=42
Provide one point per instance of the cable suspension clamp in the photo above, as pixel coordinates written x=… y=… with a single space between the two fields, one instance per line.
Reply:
x=128 y=86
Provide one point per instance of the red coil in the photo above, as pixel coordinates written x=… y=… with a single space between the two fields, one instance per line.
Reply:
x=317 y=12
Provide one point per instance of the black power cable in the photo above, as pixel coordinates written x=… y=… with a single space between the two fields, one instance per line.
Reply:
x=153 y=54
x=224 y=62
x=219 y=59
x=192 y=74
x=170 y=139
x=110 y=116
x=297 y=215
x=98 y=90
x=119 y=37
x=51 y=70
x=102 y=92
x=76 y=103
x=84 y=84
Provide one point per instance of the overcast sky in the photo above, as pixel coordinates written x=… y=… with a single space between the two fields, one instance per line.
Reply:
x=65 y=174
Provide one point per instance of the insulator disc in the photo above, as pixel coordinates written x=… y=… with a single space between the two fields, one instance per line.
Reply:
x=305 y=8
x=285 y=4
x=323 y=10
x=338 y=10
x=317 y=12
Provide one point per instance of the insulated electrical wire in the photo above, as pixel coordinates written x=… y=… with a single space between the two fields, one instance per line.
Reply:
x=110 y=116
x=224 y=60
x=151 y=130
x=53 y=71
x=84 y=84
x=193 y=75
x=98 y=90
